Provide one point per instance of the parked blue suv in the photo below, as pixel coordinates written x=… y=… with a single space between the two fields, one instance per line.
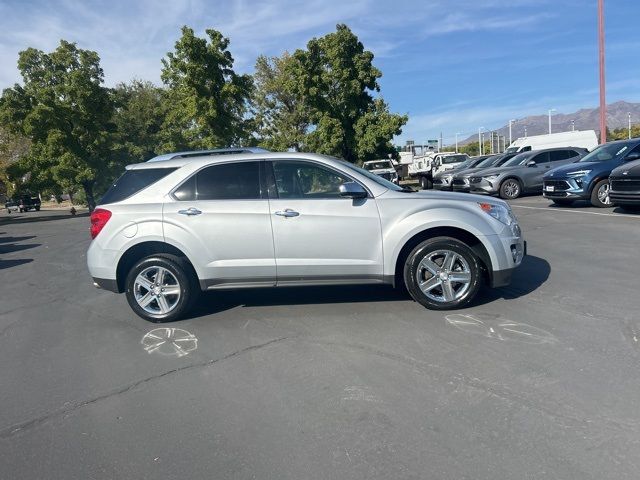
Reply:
x=588 y=178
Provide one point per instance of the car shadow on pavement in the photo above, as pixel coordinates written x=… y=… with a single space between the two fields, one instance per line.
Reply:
x=14 y=247
x=14 y=263
x=218 y=301
x=15 y=239
x=531 y=274
x=38 y=218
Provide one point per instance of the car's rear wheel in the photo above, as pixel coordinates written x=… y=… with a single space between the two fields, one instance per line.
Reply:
x=161 y=288
x=442 y=273
x=561 y=202
x=600 y=195
x=425 y=183
x=510 y=189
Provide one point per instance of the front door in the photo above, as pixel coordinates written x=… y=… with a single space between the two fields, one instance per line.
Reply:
x=318 y=235
x=220 y=217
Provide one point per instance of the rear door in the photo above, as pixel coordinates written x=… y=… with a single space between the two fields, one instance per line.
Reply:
x=318 y=235
x=220 y=215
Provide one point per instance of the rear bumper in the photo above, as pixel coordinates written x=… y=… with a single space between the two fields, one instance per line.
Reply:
x=106 y=284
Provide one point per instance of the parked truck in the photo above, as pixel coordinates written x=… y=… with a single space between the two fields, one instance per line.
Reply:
x=425 y=167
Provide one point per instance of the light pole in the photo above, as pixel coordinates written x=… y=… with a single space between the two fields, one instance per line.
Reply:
x=511 y=122
x=525 y=131
x=629 y=125
x=603 y=103
x=457 y=133
x=550 y=111
x=573 y=125
x=480 y=139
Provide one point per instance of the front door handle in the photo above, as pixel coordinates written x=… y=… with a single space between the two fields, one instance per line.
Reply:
x=287 y=212
x=190 y=211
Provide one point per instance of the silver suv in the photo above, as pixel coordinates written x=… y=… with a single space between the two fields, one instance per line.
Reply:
x=166 y=230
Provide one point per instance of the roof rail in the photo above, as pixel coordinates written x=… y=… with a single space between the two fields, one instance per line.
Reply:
x=204 y=153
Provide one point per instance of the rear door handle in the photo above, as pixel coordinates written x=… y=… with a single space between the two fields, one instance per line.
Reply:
x=287 y=212
x=190 y=211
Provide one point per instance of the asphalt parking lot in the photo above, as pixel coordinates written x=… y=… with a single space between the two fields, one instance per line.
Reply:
x=537 y=380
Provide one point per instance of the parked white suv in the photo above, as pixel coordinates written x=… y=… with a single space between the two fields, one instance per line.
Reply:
x=167 y=230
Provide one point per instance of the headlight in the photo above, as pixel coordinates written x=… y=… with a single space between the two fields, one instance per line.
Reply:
x=578 y=173
x=502 y=214
x=491 y=177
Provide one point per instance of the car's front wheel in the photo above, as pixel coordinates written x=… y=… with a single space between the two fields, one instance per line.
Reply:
x=425 y=183
x=161 y=288
x=442 y=273
x=510 y=189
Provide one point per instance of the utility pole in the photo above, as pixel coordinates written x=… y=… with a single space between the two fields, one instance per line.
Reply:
x=441 y=145
x=457 y=133
x=603 y=104
x=573 y=125
x=510 y=123
x=480 y=140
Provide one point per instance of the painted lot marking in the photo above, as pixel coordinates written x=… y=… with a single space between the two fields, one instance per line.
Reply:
x=547 y=209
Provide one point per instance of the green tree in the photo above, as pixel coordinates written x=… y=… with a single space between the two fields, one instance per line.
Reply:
x=336 y=78
x=66 y=112
x=207 y=101
x=282 y=117
x=13 y=148
x=138 y=118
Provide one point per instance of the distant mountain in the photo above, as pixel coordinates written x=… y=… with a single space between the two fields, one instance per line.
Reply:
x=585 y=119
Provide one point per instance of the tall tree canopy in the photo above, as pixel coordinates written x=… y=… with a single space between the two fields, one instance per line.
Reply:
x=282 y=117
x=336 y=78
x=66 y=113
x=206 y=100
x=138 y=117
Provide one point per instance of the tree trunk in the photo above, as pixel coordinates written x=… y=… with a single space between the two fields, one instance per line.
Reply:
x=88 y=191
x=70 y=197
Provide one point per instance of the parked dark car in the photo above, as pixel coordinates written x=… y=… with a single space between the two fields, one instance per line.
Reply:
x=588 y=179
x=460 y=180
x=625 y=186
x=22 y=203
x=523 y=173
x=442 y=181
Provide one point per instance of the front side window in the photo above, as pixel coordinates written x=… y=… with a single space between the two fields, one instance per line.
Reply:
x=540 y=158
x=557 y=155
x=296 y=179
x=226 y=181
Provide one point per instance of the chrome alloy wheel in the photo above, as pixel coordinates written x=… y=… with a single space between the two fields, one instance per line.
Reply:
x=157 y=290
x=443 y=276
x=511 y=188
x=603 y=194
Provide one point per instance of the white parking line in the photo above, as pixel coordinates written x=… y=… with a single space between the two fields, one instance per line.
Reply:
x=637 y=217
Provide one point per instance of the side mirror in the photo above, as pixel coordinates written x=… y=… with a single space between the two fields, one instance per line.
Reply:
x=353 y=190
x=531 y=163
x=632 y=156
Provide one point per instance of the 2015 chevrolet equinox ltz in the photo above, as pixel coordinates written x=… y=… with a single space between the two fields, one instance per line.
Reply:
x=167 y=230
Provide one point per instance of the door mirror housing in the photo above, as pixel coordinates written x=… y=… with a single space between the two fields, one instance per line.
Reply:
x=353 y=190
x=531 y=163
x=632 y=156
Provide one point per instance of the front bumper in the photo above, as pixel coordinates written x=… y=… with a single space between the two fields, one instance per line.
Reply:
x=564 y=188
x=461 y=185
x=625 y=198
x=484 y=186
x=502 y=278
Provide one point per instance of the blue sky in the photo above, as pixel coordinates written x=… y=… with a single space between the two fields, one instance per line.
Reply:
x=452 y=65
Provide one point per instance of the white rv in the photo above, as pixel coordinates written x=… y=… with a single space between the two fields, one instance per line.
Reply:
x=578 y=138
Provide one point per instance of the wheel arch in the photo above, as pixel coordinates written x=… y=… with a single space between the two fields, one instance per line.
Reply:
x=142 y=250
x=454 y=232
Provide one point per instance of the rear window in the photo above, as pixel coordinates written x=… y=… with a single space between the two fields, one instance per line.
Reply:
x=132 y=181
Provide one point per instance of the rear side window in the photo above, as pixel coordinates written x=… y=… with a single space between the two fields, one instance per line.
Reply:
x=227 y=181
x=132 y=181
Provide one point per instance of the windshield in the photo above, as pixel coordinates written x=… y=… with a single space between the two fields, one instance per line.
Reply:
x=511 y=150
x=377 y=165
x=372 y=177
x=608 y=151
x=519 y=159
x=487 y=161
x=453 y=159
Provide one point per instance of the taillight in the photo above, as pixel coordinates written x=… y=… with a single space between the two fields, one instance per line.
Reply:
x=99 y=218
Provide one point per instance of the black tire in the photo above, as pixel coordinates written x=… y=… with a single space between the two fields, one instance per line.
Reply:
x=562 y=202
x=595 y=198
x=184 y=275
x=510 y=189
x=38 y=208
x=425 y=183
x=413 y=270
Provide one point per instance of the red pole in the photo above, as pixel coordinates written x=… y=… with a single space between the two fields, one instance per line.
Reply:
x=603 y=104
